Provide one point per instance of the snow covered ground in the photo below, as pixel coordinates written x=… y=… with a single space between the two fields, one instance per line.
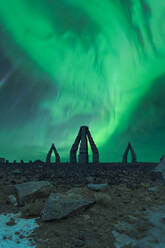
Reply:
x=154 y=237
x=16 y=235
x=12 y=236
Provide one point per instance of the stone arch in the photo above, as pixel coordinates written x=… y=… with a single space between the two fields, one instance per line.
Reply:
x=81 y=139
x=94 y=148
x=129 y=148
x=75 y=148
x=53 y=149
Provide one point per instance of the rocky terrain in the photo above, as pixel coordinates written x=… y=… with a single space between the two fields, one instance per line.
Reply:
x=81 y=210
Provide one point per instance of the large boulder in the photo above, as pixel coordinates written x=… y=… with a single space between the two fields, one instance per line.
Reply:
x=60 y=205
x=32 y=190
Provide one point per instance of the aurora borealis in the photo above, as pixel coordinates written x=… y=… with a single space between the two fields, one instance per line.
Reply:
x=68 y=63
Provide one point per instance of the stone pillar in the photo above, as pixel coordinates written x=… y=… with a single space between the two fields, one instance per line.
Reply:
x=55 y=152
x=94 y=148
x=74 y=148
x=133 y=154
x=129 y=147
x=83 y=155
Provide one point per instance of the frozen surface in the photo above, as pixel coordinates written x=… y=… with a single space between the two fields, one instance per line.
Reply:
x=23 y=226
x=154 y=238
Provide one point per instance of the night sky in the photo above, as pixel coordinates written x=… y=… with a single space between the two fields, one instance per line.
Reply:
x=68 y=63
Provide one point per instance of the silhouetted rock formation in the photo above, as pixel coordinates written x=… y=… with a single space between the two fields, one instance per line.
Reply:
x=83 y=152
x=74 y=148
x=83 y=155
x=50 y=153
x=129 y=148
x=94 y=148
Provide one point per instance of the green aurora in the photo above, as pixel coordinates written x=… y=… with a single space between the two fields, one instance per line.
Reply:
x=67 y=63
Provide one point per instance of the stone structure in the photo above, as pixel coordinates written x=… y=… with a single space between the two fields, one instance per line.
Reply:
x=94 y=148
x=129 y=148
x=53 y=149
x=83 y=155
